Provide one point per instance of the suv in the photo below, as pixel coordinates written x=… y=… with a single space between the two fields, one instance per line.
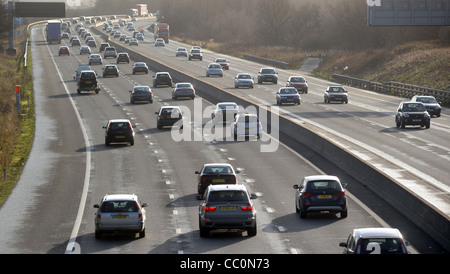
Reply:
x=87 y=81
x=227 y=207
x=376 y=240
x=120 y=213
x=215 y=173
x=119 y=131
x=335 y=93
x=80 y=68
x=267 y=75
x=110 y=70
x=162 y=78
x=412 y=113
x=110 y=52
x=433 y=107
x=195 y=54
x=169 y=116
x=320 y=193
x=123 y=57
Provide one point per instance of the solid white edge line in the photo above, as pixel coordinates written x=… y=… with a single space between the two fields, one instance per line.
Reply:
x=72 y=248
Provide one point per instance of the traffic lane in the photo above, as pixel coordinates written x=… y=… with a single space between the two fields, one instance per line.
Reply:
x=49 y=184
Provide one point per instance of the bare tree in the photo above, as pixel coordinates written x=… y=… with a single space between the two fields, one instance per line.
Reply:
x=272 y=18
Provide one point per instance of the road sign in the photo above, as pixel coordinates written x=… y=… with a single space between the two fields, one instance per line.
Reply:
x=40 y=9
x=18 y=20
x=408 y=12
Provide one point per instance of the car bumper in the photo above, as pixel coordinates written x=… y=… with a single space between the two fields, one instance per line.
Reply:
x=124 y=229
x=244 y=222
x=244 y=84
x=415 y=121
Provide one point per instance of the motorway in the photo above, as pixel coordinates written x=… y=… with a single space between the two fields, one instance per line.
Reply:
x=70 y=169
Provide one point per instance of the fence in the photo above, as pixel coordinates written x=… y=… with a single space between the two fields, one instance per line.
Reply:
x=395 y=88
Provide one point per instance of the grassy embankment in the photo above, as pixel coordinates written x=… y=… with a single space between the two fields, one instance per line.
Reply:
x=16 y=131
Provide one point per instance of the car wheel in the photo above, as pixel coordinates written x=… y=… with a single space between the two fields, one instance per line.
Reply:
x=98 y=234
x=142 y=233
x=427 y=124
x=344 y=214
x=204 y=232
x=252 y=231
x=107 y=143
x=397 y=123
x=132 y=142
x=402 y=124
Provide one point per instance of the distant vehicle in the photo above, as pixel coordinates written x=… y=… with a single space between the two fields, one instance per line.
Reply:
x=298 y=82
x=75 y=42
x=195 y=54
x=87 y=81
x=227 y=207
x=161 y=30
x=214 y=69
x=375 y=240
x=141 y=94
x=133 y=41
x=162 y=78
x=123 y=57
x=142 y=9
x=80 y=68
x=181 y=52
x=183 y=90
x=318 y=193
x=119 y=131
x=246 y=125
x=110 y=52
x=132 y=12
x=95 y=59
x=287 y=95
x=224 y=112
x=412 y=113
x=122 y=37
x=159 y=42
x=223 y=62
x=91 y=43
x=267 y=75
x=140 y=67
x=117 y=34
x=243 y=80
x=110 y=70
x=335 y=93
x=431 y=104
x=103 y=46
x=53 y=31
x=213 y=174
x=169 y=116
x=139 y=36
x=85 y=50
x=120 y=213
x=63 y=50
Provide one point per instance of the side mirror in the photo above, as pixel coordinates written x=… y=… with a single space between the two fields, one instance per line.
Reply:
x=156 y=112
x=344 y=185
x=96 y=206
x=103 y=126
x=130 y=91
x=343 y=244
x=253 y=196
x=295 y=186
x=144 y=205
x=197 y=172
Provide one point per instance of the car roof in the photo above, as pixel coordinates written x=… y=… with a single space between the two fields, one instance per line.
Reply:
x=226 y=103
x=227 y=187
x=377 y=232
x=170 y=107
x=119 y=121
x=115 y=197
x=321 y=177
x=217 y=164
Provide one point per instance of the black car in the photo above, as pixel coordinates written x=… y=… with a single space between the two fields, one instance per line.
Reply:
x=140 y=67
x=109 y=70
x=213 y=174
x=412 y=113
x=267 y=75
x=431 y=104
x=142 y=94
x=75 y=42
x=87 y=81
x=162 y=78
x=103 y=46
x=319 y=193
x=335 y=93
x=119 y=131
x=195 y=54
x=169 y=116
x=123 y=57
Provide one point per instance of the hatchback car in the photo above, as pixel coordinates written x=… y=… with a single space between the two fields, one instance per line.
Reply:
x=214 y=69
x=141 y=94
x=110 y=69
x=110 y=52
x=183 y=90
x=87 y=81
x=288 y=95
x=119 y=131
x=63 y=50
x=140 y=67
x=298 y=82
x=224 y=112
x=122 y=57
x=162 y=78
x=227 y=207
x=75 y=42
x=103 y=46
x=215 y=173
x=140 y=36
x=95 y=59
x=181 y=52
x=133 y=42
x=335 y=93
x=318 y=193
x=91 y=43
x=85 y=50
x=412 y=113
x=169 y=116
x=120 y=213
x=375 y=240
x=80 y=68
x=431 y=104
x=159 y=42
x=246 y=125
x=243 y=80
x=267 y=75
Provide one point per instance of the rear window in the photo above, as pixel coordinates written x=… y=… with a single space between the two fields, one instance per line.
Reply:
x=381 y=246
x=119 y=206
x=323 y=185
x=88 y=75
x=119 y=125
x=228 y=196
x=218 y=169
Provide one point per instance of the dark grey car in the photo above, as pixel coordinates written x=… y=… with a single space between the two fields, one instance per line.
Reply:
x=267 y=75
x=169 y=116
x=141 y=94
x=227 y=207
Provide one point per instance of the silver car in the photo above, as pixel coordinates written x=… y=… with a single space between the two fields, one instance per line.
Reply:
x=120 y=213
x=243 y=80
x=246 y=124
x=288 y=95
x=95 y=59
x=214 y=69
x=227 y=207
x=85 y=50
x=183 y=90
x=375 y=240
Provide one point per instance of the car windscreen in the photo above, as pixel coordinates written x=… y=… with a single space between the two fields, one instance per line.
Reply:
x=288 y=91
x=336 y=90
x=244 y=76
x=267 y=71
x=413 y=107
x=228 y=196
x=119 y=206
x=298 y=79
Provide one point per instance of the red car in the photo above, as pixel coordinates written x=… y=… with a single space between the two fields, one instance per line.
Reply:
x=64 y=50
x=298 y=82
x=223 y=63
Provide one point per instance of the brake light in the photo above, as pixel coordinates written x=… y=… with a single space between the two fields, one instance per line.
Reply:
x=203 y=180
x=248 y=207
x=233 y=179
x=306 y=194
x=209 y=208
x=140 y=216
x=99 y=216
x=179 y=116
x=340 y=194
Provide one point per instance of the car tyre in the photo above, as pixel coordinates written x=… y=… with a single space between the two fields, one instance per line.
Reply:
x=142 y=233
x=344 y=214
x=252 y=231
x=98 y=234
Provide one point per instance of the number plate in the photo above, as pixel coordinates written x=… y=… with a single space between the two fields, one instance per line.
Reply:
x=324 y=196
x=228 y=208
x=120 y=137
x=218 y=180
x=120 y=216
